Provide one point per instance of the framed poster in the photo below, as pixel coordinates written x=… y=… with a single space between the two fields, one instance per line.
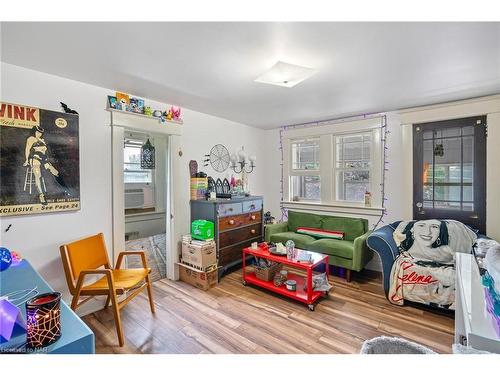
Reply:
x=39 y=161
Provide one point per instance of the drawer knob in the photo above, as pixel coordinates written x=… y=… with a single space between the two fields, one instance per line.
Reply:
x=231 y=222
x=252 y=231
x=252 y=217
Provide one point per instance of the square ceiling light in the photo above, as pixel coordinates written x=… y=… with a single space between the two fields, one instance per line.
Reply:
x=286 y=75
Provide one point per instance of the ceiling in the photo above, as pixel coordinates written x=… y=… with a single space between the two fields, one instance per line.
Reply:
x=211 y=67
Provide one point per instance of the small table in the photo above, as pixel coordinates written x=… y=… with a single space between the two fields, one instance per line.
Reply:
x=76 y=337
x=308 y=296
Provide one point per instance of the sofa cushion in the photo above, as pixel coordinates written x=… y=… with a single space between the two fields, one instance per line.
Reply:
x=339 y=248
x=321 y=233
x=352 y=227
x=302 y=241
x=303 y=219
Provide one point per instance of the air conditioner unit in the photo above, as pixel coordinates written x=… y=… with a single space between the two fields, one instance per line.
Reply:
x=139 y=197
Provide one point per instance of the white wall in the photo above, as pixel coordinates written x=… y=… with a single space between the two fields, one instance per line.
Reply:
x=38 y=237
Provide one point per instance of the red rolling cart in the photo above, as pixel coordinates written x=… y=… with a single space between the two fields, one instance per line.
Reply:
x=308 y=296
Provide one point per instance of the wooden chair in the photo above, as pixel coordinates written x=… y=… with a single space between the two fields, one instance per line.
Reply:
x=89 y=257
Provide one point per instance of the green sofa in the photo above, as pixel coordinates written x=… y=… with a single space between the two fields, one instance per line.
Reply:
x=351 y=253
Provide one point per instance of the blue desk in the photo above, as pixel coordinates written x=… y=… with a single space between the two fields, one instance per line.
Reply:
x=76 y=337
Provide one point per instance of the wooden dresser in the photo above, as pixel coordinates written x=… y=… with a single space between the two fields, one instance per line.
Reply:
x=238 y=223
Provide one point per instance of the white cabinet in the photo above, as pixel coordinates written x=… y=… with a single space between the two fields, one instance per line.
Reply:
x=474 y=326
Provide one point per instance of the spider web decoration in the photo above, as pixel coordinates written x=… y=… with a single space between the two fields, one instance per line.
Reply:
x=219 y=158
x=43 y=324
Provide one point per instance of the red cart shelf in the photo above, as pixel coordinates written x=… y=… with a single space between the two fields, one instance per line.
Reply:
x=308 y=296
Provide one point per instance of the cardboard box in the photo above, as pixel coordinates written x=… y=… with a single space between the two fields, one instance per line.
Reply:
x=199 y=255
x=197 y=278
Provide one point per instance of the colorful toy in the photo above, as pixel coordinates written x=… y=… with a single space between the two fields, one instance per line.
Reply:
x=174 y=113
x=16 y=258
x=148 y=111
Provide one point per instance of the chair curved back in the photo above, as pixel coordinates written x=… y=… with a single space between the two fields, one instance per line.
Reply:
x=87 y=253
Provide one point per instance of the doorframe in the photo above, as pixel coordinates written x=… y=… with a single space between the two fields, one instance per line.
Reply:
x=121 y=122
x=489 y=106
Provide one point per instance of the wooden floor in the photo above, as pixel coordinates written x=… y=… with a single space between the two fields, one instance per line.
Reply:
x=231 y=318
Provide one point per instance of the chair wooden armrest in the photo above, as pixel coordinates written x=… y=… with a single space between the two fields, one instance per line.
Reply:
x=127 y=253
x=106 y=272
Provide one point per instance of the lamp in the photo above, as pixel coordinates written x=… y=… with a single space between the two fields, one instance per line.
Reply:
x=242 y=163
x=147 y=156
x=43 y=315
x=285 y=74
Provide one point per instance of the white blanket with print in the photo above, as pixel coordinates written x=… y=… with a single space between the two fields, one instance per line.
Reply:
x=424 y=271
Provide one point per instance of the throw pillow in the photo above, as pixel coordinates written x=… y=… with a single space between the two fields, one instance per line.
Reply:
x=321 y=233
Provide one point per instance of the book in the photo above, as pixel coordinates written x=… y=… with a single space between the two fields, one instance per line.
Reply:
x=304 y=257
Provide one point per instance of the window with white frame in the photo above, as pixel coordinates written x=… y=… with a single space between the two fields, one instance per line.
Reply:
x=333 y=164
x=132 y=172
x=139 y=183
x=304 y=174
x=352 y=166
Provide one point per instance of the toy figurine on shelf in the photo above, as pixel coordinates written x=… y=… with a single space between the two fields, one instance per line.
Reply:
x=148 y=111
x=173 y=114
x=176 y=113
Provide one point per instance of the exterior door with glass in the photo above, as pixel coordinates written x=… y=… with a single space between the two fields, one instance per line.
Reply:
x=449 y=171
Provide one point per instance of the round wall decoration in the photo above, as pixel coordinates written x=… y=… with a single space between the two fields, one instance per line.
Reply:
x=219 y=158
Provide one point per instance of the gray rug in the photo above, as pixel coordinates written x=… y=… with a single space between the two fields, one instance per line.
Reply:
x=393 y=345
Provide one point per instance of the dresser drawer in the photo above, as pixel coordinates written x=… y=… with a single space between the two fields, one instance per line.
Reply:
x=229 y=209
x=232 y=222
x=238 y=235
x=252 y=206
x=232 y=254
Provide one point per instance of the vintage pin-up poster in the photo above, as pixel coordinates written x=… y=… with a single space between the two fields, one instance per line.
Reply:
x=39 y=161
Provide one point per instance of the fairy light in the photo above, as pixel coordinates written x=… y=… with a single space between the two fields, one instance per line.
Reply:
x=383 y=134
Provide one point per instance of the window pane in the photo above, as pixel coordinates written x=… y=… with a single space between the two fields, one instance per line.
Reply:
x=353 y=151
x=428 y=179
x=352 y=185
x=132 y=171
x=305 y=155
x=144 y=177
x=132 y=155
x=305 y=187
x=447 y=205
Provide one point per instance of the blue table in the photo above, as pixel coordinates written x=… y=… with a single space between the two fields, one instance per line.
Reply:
x=76 y=337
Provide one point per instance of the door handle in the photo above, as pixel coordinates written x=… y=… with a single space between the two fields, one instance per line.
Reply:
x=474 y=217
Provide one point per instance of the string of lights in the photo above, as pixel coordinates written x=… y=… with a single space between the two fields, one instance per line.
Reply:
x=383 y=134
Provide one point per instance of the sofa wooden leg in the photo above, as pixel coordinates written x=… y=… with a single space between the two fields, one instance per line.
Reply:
x=348 y=275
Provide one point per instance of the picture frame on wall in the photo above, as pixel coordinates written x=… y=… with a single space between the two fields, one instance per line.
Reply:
x=40 y=163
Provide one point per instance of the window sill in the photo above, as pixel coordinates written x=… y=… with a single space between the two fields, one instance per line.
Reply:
x=345 y=208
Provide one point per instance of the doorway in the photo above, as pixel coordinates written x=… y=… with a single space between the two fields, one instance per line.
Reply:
x=144 y=176
x=449 y=171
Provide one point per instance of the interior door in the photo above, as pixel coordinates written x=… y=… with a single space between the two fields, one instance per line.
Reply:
x=449 y=171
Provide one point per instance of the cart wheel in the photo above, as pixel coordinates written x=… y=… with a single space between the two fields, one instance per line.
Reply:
x=311 y=307
x=244 y=283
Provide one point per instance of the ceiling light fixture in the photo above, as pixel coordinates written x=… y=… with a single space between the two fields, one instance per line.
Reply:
x=285 y=75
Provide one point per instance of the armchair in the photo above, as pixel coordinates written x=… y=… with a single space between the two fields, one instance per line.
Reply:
x=89 y=257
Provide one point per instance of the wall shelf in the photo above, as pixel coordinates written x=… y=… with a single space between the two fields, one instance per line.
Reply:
x=148 y=124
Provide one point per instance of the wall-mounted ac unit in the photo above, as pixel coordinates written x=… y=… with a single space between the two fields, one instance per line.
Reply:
x=139 y=197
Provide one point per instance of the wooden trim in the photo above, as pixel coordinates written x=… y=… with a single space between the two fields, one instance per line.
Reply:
x=334 y=208
x=451 y=110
